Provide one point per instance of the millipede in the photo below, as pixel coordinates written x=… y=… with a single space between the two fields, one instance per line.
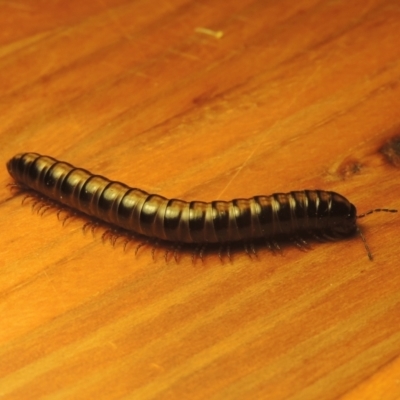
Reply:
x=322 y=215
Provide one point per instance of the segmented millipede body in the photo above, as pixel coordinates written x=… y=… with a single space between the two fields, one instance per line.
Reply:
x=319 y=213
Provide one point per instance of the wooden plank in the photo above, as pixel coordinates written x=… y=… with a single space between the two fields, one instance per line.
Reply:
x=202 y=100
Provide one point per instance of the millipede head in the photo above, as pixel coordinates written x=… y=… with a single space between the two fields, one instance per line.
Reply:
x=342 y=217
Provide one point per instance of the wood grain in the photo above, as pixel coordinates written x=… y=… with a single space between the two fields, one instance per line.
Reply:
x=202 y=100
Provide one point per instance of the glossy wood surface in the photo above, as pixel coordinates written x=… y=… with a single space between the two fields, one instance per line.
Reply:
x=202 y=100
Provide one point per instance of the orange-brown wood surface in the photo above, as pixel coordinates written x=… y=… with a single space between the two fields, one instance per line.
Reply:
x=202 y=100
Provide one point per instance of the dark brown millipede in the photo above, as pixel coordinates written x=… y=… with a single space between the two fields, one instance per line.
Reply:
x=280 y=216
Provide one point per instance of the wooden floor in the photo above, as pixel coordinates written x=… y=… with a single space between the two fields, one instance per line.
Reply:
x=202 y=100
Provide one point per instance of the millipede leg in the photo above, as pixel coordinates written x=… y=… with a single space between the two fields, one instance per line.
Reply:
x=253 y=250
x=365 y=243
x=16 y=188
x=276 y=245
x=317 y=237
x=34 y=204
x=328 y=237
x=177 y=248
x=43 y=210
x=196 y=253
x=41 y=206
x=88 y=225
x=126 y=241
x=84 y=227
x=67 y=217
x=93 y=226
x=300 y=243
x=273 y=246
x=221 y=248
x=224 y=249
x=59 y=213
x=228 y=252
x=27 y=196
x=250 y=250
x=246 y=249
x=114 y=237
x=105 y=235
x=167 y=251
x=269 y=246
x=202 y=252
x=153 y=250
x=110 y=236
x=139 y=246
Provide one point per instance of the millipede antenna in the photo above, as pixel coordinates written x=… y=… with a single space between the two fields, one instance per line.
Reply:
x=376 y=210
x=361 y=234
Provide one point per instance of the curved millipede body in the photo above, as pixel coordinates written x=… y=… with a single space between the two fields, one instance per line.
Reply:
x=319 y=213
